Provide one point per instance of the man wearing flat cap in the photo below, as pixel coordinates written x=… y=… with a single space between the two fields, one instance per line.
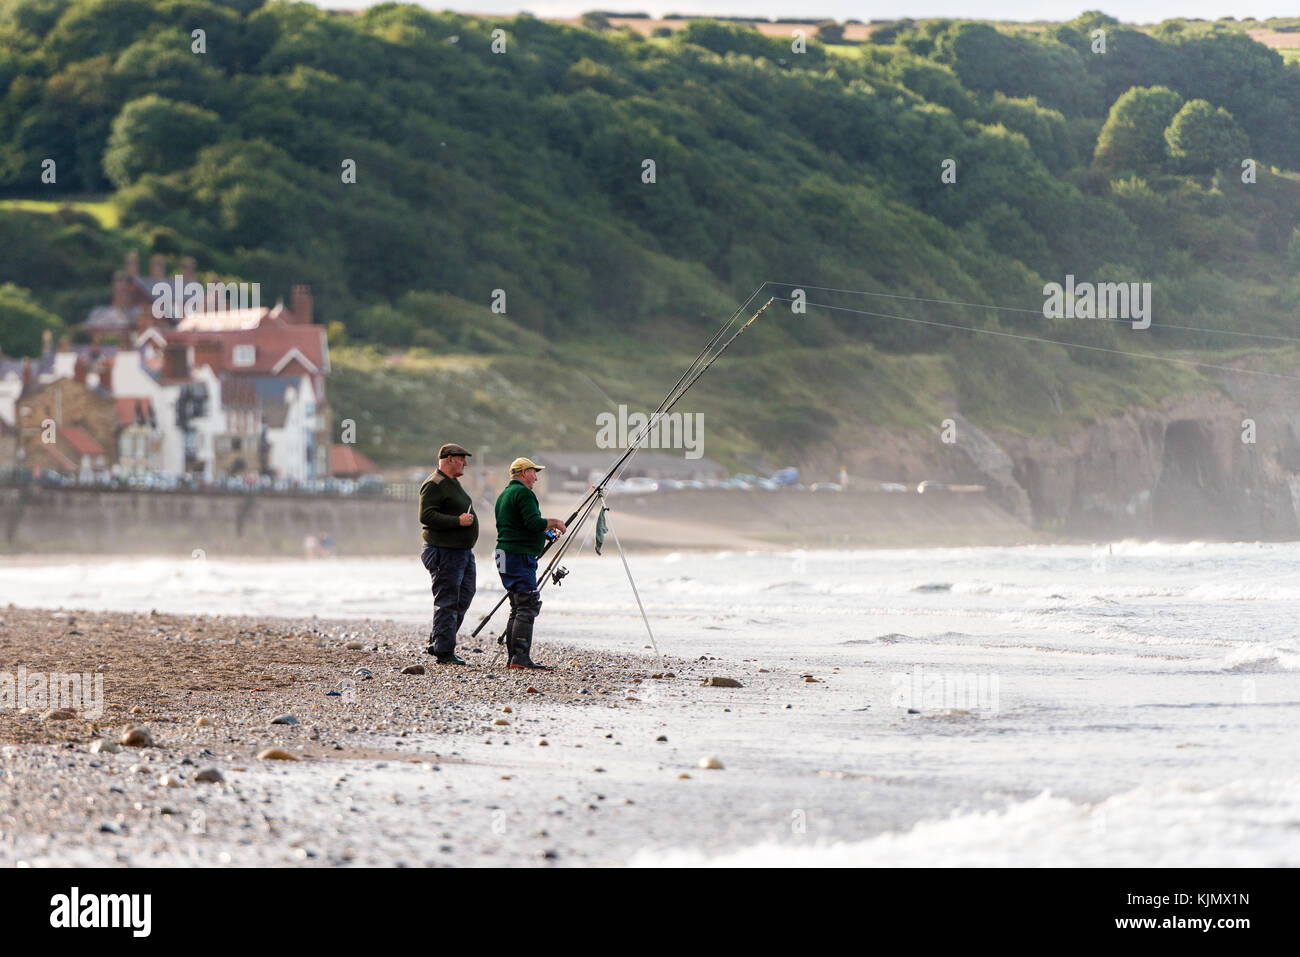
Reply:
x=521 y=537
x=450 y=531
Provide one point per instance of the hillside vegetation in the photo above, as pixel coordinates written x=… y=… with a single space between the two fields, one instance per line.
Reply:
x=524 y=171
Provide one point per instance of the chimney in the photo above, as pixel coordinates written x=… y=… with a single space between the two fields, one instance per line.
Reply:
x=80 y=368
x=133 y=264
x=120 y=286
x=27 y=373
x=300 y=304
x=106 y=375
x=157 y=266
x=47 y=342
x=187 y=268
x=176 y=361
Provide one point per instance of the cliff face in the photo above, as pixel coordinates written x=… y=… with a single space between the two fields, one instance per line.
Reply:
x=1194 y=468
x=1222 y=463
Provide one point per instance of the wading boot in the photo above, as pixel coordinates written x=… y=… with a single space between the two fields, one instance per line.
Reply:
x=521 y=634
x=504 y=638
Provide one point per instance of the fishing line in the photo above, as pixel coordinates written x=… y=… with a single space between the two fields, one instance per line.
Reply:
x=1035 y=312
x=1054 y=342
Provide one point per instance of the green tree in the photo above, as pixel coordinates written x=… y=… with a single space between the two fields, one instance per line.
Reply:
x=987 y=60
x=22 y=320
x=828 y=31
x=157 y=135
x=1203 y=138
x=1133 y=137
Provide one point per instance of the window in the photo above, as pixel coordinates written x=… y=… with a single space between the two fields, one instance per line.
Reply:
x=244 y=355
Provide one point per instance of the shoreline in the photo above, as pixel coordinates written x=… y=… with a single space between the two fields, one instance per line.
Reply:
x=24 y=559
x=417 y=770
x=1113 y=747
x=407 y=735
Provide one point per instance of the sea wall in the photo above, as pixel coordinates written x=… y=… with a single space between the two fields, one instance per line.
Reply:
x=64 y=521
x=90 y=521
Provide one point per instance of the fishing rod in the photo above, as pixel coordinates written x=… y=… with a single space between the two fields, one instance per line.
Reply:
x=692 y=375
x=597 y=491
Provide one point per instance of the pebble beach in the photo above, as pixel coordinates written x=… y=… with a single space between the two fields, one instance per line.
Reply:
x=232 y=741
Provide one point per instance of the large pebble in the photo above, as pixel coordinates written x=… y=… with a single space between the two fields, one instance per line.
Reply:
x=169 y=781
x=104 y=747
x=353 y=646
x=284 y=719
x=203 y=721
x=275 y=754
x=717 y=682
x=136 y=737
x=710 y=763
x=56 y=715
x=209 y=776
x=413 y=670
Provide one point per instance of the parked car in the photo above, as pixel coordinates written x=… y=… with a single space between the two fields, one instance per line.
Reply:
x=639 y=485
x=928 y=486
x=892 y=487
x=825 y=487
x=786 y=476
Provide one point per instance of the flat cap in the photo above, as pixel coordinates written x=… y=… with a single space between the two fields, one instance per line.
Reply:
x=451 y=448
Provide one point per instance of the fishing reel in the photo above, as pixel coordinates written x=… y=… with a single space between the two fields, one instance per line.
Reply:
x=559 y=574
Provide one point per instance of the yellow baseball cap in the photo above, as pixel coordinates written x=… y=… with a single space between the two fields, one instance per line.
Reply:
x=521 y=463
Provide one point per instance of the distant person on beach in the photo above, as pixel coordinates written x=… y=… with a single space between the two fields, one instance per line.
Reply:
x=521 y=537
x=450 y=531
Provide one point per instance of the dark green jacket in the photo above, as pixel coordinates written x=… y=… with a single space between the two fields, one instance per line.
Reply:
x=521 y=530
x=442 y=502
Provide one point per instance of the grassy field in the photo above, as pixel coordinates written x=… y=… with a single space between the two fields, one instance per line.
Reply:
x=102 y=209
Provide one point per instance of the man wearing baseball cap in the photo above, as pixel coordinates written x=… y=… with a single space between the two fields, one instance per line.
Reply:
x=450 y=531
x=521 y=537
